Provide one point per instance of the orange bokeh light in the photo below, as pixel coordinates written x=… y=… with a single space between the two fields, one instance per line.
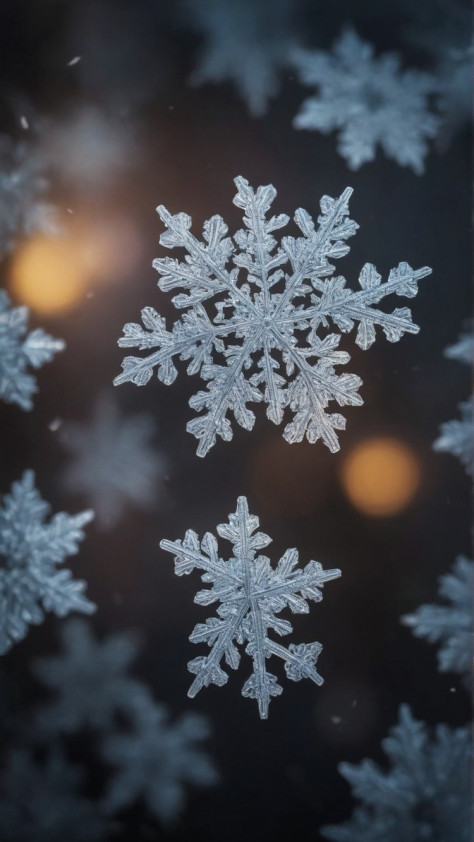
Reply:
x=381 y=476
x=45 y=275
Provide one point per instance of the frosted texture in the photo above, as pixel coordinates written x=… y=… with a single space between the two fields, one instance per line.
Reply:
x=425 y=794
x=263 y=334
x=449 y=625
x=30 y=551
x=369 y=100
x=18 y=351
x=251 y=594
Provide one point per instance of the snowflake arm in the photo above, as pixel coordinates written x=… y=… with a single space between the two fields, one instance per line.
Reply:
x=251 y=594
x=425 y=794
x=18 y=351
x=30 y=550
x=237 y=287
x=369 y=100
x=449 y=625
x=155 y=759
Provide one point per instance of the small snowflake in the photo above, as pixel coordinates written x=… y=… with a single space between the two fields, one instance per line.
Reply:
x=42 y=802
x=424 y=795
x=155 y=759
x=18 y=351
x=85 y=664
x=23 y=210
x=251 y=594
x=266 y=312
x=30 y=550
x=457 y=435
x=246 y=42
x=449 y=625
x=463 y=349
x=370 y=100
x=113 y=461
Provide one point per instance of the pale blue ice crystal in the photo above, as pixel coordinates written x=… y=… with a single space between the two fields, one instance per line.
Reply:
x=246 y=43
x=42 y=801
x=113 y=461
x=449 y=625
x=155 y=759
x=369 y=100
x=30 y=551
x=19 y=350
x=257 y=332
x=424 y=795
x=456 y=436
x=251 y=593
x=86 y=663
x=23 y=209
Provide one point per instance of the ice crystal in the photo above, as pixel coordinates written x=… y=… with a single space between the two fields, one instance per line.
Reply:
x=42 y=802
x=424 y=795
x=23 y=210
x=457 y=435
x=155 y=759
x=113 y=461
x=449 y=625
x=269 y=311
x=251 y=594
x=463 y=349
x=18 y=350
x=84 y=664
x=370 y=100
x=245 y=42
x=30 y=550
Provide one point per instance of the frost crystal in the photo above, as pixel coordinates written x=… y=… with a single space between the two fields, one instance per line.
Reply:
x=30 y=550
x=155 y=759
x=18 y=351
x=456 y=436
x=463 y=349
x=246 y=42
x=43 y=803
x=85 y=664
x=370 y=100
x=113 y=461
x=251 y=594
x=23 y=210
x=268 y=311
x=424 y=795
x=449 y=625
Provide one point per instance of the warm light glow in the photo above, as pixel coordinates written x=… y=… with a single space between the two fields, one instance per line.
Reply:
x=46 y=277
x=381 y=476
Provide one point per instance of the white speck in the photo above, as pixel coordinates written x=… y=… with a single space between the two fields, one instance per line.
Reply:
x=354 y=703
x=74 y=61
x=24 y=122
x=70 y=210
x=336 y=720
x=452 y=689
x=55 y=424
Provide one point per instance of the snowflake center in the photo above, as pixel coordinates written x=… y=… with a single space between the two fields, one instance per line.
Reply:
x=374 y=98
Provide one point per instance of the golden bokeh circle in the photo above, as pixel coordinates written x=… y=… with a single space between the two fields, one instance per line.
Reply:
x=381 y=476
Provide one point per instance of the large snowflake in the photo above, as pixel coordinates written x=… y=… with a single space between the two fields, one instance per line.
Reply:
x=245 y=42
x=251 y=594
x=30 y=550
x=85 y=663
x=155 y=759
x=281 y=351
x=449 y=625
x=113 y=461
x=23 y=209
x=424 y=795
x=18 y=350
x=369 y=100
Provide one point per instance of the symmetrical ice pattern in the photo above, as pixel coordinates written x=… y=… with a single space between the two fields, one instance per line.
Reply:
x=155 y=759
x=43 y=802
x=113 y=461
x=148 y=757
x=23 y=209
x=263 y=334
x=86 y=663
x=251 y=593
x=425 y=794
x=369 y=100
x=19 y=350
x=246 y=43
x=449 y=625
x=31 y=548
x=457 y=435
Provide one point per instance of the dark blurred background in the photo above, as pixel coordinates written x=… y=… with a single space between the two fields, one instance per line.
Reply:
x=103 y=87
